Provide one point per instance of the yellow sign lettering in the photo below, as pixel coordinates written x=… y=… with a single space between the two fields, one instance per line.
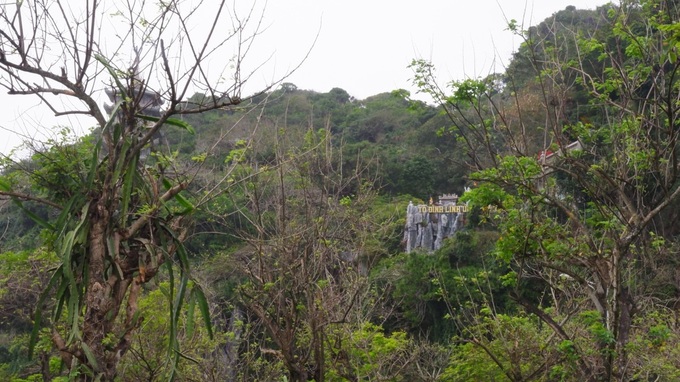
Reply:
x=446 y=209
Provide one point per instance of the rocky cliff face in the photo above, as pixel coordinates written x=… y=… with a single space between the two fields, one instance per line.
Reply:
x=428 y=225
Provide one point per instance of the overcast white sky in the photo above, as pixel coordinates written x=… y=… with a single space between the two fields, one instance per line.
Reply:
x=362 y=46
x=365 y=46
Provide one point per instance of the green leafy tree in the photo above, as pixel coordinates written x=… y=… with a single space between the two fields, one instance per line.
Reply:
x=147 y=359
x=438 y=293
x=590 y=202
x=371 y=354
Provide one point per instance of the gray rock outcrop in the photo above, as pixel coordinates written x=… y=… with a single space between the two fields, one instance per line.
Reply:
x=428 y=225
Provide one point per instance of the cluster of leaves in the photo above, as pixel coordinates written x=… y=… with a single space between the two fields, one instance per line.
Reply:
x=579 y=204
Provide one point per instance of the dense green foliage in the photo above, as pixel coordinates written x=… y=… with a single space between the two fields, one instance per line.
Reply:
x=565 y=268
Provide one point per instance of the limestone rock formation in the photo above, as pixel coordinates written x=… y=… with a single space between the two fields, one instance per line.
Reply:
x=428 y=225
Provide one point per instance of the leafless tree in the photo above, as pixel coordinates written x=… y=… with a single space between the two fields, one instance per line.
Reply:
x=119 y=221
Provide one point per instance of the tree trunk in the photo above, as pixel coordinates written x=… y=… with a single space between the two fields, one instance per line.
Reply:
x=98 y=300
x=230 y=349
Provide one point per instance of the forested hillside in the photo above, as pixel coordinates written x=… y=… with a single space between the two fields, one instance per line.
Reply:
x=261 y=239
